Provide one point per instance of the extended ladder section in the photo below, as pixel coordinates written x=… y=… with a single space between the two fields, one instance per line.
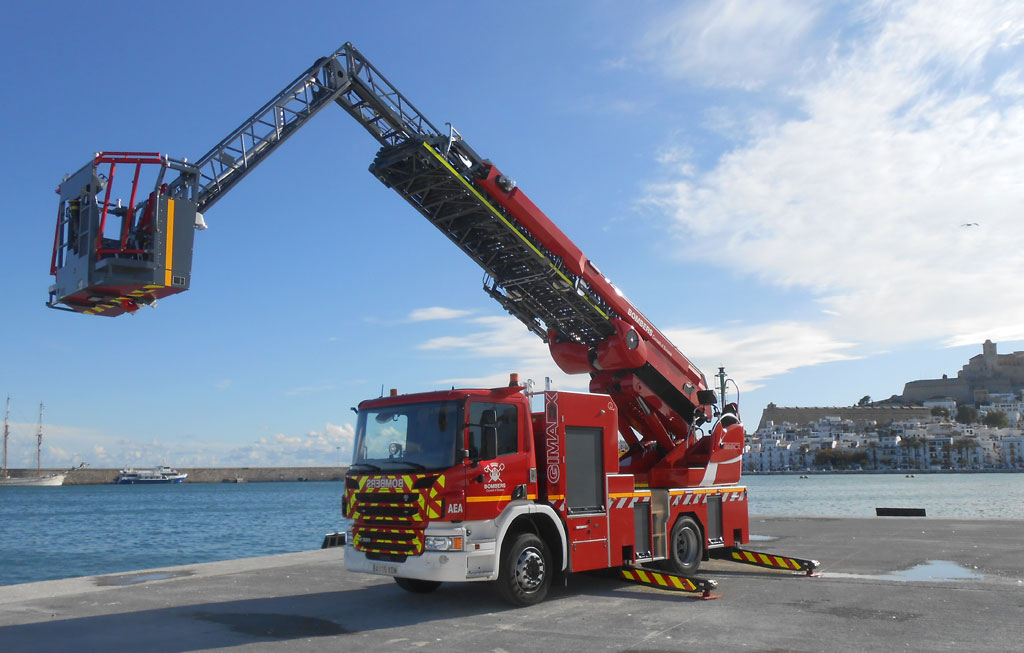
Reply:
x=528 y=281
x=346 y=78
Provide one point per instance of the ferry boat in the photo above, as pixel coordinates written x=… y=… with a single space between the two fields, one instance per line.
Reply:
x=164 y=474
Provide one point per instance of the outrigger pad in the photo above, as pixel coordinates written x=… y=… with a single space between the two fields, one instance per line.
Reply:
x=671 y=582
x=769 y=560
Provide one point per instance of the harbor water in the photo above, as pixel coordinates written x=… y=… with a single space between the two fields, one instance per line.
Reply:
x=48 y=533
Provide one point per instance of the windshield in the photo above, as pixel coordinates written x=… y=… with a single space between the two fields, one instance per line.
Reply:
x=411 y=436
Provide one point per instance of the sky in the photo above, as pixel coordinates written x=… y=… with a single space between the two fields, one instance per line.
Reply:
x=822 y=197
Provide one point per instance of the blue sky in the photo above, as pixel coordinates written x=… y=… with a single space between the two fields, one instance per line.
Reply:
x=779 y=186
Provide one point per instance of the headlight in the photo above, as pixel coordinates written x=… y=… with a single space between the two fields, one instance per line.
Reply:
x=442 y=543
x=348 y=537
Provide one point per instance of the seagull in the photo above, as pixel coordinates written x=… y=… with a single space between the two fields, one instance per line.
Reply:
x=969 y=224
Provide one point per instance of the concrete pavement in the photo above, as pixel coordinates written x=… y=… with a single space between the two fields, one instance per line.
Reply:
x=889 y=583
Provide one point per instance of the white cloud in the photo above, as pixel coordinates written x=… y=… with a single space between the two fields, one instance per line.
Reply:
x=66 y=447
x=753 y=354
x=735 y=43
x=916 y=129
x=436 y=313
x=503 y=338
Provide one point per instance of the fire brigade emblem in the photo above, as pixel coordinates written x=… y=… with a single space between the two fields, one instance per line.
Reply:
x=493 y=481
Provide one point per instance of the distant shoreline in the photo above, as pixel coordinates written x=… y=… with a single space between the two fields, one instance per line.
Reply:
x=105 y=476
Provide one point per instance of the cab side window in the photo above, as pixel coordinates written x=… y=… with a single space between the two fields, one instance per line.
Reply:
x=508 y=427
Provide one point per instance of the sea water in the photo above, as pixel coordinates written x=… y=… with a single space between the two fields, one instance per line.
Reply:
x=84 y=530
x=48 y=533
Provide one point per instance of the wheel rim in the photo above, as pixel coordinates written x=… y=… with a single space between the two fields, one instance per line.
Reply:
x=686 y=546
x=530 y=569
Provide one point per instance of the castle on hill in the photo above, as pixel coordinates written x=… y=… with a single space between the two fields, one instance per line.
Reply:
x=987 y=373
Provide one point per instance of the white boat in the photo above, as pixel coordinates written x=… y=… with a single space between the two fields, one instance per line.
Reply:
x=164 y=474
x=39 y=480
x=48 y=480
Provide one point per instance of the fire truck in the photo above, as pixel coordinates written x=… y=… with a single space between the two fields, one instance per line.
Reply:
x=464 y=484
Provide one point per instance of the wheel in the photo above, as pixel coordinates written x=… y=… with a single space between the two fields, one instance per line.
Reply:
x=525 y=572
x=417 y=586
x=685 y=547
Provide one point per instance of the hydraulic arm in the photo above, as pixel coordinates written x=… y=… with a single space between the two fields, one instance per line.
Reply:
x=532 y=269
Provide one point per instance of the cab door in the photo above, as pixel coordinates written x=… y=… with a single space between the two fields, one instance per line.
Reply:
x=499 y=467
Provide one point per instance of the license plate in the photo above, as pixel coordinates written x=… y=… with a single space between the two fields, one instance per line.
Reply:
x=390 y=570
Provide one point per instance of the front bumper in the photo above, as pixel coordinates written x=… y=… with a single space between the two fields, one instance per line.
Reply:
x=477 y=561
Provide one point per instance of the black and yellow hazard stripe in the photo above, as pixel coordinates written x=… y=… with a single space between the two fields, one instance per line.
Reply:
x=665 y=581
x=395 y=541
x=115 y=302
x=773 y=561
x=428 y=502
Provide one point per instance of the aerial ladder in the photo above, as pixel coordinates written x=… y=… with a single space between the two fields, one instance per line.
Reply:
x=111 y=257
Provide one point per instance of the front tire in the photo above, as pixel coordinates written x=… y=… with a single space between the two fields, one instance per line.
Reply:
x=417 y=586
x=685 y=547
x=525 y=572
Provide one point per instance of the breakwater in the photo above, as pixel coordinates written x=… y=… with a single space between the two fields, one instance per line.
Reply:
x=91 y=476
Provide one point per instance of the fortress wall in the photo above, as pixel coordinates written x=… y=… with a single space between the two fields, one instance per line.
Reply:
x=881 y=414
x=919 y=391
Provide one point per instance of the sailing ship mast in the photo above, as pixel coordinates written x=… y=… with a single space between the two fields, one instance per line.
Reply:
x=39 y=443
x=7 y=431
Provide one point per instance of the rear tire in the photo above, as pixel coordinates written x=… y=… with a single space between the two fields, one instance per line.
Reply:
x=685 y=547
x=417 y=586
x=525 y=572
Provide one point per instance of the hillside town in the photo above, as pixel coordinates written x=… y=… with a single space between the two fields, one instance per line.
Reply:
x=975 y=424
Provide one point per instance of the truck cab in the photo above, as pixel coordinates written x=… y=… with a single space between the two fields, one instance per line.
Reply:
x=435 y=482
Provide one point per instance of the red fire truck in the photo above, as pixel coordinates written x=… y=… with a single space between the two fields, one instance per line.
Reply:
x=460 y=485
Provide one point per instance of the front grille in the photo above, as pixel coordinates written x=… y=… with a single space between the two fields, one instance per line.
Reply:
x=388 y=541
x=390 y=508
x=391 y=513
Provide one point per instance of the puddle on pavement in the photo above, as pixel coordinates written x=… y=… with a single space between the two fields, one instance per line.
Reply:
x=141 y=577
x=931 y=571
x=281 y=626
